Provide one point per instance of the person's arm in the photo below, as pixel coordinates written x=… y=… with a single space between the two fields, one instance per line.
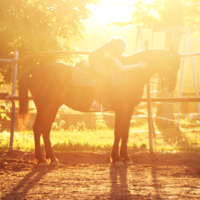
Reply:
x=116 y=63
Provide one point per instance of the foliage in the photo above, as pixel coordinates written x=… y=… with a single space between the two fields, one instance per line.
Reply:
x=139 y=122
x=3 y=106
x=100 y=123
x=153 y=14
x=171 y=139
x=102 y=140
x=33 y=26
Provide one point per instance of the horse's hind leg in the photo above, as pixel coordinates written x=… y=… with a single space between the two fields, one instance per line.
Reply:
x=47 y=143
x=37 y=133
x=50 y=115
x=44 y=119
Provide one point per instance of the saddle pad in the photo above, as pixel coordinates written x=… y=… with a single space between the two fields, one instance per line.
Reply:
x=81 y=79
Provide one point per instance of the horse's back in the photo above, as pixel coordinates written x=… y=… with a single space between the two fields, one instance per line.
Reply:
x=51 y=72
x=49 y=81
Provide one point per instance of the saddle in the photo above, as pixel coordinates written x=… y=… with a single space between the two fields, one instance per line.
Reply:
x=83 y=76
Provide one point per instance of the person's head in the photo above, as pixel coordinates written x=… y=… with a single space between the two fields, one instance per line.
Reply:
x=119 y=43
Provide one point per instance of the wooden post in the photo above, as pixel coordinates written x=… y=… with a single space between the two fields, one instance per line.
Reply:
x=150 y=118
x=149 y=110
x=13 y=102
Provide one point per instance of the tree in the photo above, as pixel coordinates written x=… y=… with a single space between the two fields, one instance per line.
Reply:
x=167 y=13
x=152 y=13
x=171 y=13
x=31 y=26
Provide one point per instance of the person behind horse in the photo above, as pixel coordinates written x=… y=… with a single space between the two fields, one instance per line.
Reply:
x=102 y=59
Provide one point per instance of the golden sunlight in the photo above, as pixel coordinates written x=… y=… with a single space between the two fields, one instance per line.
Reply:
x=112 y=11
x=148 y=1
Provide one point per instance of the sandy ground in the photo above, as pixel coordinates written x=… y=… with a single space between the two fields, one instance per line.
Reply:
x=84 y=175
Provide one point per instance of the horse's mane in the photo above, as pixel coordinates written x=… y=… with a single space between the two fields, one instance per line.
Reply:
x=154 y=59
x=144 y=54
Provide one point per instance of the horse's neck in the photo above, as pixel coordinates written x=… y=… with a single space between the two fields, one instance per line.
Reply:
x=154 y=58
x=155 y=61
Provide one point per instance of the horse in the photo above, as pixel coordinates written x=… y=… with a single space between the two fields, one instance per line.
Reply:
x=50 y=87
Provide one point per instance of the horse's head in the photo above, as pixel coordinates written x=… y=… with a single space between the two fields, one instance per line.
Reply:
x=170 y=70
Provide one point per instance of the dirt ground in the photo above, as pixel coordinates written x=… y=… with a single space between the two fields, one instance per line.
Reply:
x=84 y=175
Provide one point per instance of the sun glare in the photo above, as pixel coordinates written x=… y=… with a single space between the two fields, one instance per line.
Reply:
x=108 y=11
x=148 y=1
x=114 y=10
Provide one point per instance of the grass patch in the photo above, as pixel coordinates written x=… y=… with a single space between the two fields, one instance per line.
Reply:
x=101 y=138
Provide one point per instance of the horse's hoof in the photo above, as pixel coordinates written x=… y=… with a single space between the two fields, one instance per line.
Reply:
x=118 y=164
x=128 y=162
x=54 y=163
x=40 y=164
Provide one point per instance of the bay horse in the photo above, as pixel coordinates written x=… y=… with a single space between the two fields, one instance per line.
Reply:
x=50 y=87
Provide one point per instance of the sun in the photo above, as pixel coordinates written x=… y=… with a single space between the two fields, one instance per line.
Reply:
x=114 y=10
x=111 y=11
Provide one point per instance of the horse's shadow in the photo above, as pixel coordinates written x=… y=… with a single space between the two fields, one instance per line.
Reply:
x=28 y=182
x=121 y=187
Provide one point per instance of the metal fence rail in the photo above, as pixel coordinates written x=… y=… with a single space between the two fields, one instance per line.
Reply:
x=12 y=98
x=159 y=99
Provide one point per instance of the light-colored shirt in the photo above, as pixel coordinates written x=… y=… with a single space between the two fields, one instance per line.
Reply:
x=104 y=52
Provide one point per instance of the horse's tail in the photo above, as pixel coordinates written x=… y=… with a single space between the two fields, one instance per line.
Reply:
x=23 y=99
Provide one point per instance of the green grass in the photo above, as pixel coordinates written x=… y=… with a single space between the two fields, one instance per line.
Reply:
x=75 y=139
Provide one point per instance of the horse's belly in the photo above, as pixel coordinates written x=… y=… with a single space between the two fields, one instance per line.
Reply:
x=79 y=98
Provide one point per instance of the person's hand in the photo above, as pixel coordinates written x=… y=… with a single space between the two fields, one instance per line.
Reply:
x=143 y=64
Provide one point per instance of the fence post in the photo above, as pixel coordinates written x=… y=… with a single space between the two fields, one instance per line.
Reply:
x=149 y=109
x=150 y=118
x=13 y=101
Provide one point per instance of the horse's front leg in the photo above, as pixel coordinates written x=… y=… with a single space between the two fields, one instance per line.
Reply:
x=123 y=150
x=120 y=121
